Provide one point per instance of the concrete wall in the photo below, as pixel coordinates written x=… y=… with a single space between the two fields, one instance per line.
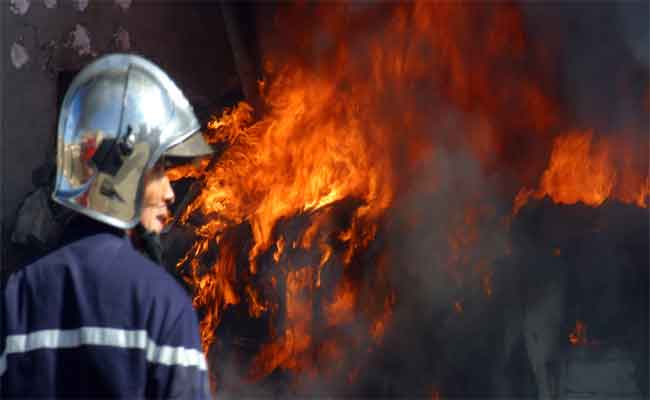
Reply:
x=42 y=38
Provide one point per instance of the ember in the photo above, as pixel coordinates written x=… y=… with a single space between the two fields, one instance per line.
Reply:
x=579 y=334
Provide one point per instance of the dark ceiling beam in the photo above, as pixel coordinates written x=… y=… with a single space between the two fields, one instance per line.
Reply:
x=243 y=61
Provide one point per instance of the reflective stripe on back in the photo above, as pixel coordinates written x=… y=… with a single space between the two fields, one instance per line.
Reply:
x=99 y=336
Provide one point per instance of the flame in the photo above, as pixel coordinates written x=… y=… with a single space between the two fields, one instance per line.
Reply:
x=311 y=168
x=578 y=336
x=578 y=172
x=217 y=286
x=290 y=216
x=341 y=309
x=583 y=169
x=290 y=350
x=378 y=328
x=309 y=153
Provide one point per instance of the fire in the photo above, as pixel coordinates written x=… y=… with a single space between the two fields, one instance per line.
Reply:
x=578 y=171
x=311 y=169
x=311 y=151
x=331 y=140
x=583 y=169
x=293 y=221
x=290 y=350
x=378 y=328
x=340 y=310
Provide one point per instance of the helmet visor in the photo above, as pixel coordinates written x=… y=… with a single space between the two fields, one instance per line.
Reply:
x=193 y=146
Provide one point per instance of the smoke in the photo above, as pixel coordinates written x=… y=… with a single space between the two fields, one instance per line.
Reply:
x=446 y=268
x=604 y=61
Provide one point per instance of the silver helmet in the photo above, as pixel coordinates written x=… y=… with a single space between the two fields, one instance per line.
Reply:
x=119 y=116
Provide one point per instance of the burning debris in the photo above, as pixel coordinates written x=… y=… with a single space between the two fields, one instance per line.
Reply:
x=368 y=215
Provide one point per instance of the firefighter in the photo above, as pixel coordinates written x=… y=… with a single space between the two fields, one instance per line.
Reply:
x=95 y=318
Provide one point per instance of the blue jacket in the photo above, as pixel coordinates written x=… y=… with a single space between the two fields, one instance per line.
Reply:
x=97 y=319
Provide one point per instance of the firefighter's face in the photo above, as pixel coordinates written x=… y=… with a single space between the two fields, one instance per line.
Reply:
x=158 y=195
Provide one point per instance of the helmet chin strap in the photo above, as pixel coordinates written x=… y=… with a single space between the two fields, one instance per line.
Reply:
x=190 y=195
x=149 y=244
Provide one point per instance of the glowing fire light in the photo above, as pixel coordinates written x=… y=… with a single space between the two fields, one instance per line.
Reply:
x=579 y=334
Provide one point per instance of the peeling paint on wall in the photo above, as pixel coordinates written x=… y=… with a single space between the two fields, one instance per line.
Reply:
x=19 y=7
x=79 y=40
x=19 y=56
x=122 y=39
x=124 y=4
x=80 y=5
x=49 y=3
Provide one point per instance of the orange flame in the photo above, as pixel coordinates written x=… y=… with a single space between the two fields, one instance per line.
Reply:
x=290 y=350
x=585 y=170
x=310 y=152
x=578 y=171
x=579 y=334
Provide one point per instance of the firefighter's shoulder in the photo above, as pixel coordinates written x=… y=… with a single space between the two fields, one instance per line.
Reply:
x=100 y=280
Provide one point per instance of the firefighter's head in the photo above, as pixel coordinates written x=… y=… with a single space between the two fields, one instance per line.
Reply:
x=120 y=118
